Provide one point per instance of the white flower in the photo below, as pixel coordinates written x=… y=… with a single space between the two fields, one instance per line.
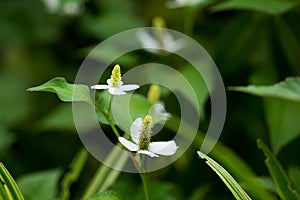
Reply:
x=140 y=134
x=158 y=112
x=52 y=5
x=183 y=3
x=115 y=85
x=155 y=45
x=70 y=8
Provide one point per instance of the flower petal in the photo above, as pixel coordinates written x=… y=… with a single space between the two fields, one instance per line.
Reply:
x=158 y=110
x=135 y=130
x=100 y=87
x=163 y=148
x=129 y=87
x=129 y=145
x=116 y=91
x=148 y=153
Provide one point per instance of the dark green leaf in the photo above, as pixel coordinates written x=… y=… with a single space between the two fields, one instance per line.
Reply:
x=290 y=42
x=282 y=109
x=227 y=158
x=40 y=185
x=294 y=174
x=65 y=91
x=272 y=7
x=282 y=118
x=281 y=180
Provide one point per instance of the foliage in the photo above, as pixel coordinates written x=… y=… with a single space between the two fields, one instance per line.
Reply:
x=255 y=45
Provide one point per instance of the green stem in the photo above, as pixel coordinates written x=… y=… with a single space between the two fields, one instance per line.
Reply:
x=110 y=102
x=143 y=177
x=189 y=20
x=107 y=117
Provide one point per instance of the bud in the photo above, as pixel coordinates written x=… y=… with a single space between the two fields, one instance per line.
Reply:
x=159 y=22
x=115 y=77
x=146 y=132
x=153 y=94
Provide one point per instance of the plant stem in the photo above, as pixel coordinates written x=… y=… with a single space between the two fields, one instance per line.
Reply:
x=189 y=20
x=110 y=102
x=107 y=117
x=143 y=177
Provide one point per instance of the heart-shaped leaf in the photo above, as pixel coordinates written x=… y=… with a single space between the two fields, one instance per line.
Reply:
x=65 y=91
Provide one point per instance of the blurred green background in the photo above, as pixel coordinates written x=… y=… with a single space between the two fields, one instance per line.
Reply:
x=251 y=42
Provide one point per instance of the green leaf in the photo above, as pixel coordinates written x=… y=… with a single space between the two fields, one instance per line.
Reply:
x=282 y=108
x=40 y=185
x=65 y=91
x=72 y=175
x=127 y=108
x=227 y=158
x=281 y=180
x=288 y=89
x=232 y=185
x=282 y=118
x=189 y=83
x=106 y=176
x=107 y=195
x=290 y=41
x=8 y=187
x=294 y=174
x=272 y=7
x=159 y=190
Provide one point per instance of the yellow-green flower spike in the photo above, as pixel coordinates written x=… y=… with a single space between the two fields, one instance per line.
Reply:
x=153 y=94
x=115 y=77
x=147 y=120
x=146 y=132
x=158 y=22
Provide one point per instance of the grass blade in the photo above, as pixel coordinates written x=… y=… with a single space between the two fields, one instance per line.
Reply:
x=282 y=182
x=229 y=181
x=9 y=186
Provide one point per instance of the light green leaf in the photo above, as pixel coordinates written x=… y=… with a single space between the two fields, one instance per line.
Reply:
x=65 y=91
x=40 y=185
x=136 y=105
x=107 y=195
x=272 y=7
x=72 y=175
x=232 y=185
x=281 y=180
x=288 y=89
x=8 y=187
x=282 y=118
